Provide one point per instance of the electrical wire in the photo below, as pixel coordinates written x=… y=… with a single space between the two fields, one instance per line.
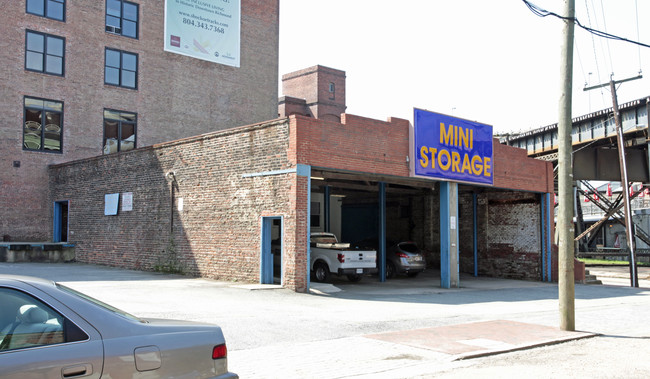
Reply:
x=544 y=13
x=636 y=8
x=609 y=52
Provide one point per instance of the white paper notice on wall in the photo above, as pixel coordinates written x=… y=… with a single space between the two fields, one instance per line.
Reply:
x=180 y=204
x=452 y=222
x=127 y=201
x=111 y=200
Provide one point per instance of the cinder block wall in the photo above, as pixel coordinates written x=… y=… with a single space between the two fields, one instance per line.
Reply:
x=177 y=96
x=217 y=232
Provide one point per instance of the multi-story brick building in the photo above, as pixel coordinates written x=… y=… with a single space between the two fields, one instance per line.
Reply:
x=90 y=77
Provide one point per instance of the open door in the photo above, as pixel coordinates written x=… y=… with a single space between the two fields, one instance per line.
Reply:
x=60 y=227
x=271 y=254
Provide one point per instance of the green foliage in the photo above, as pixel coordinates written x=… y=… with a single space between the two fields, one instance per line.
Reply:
x=593 y=261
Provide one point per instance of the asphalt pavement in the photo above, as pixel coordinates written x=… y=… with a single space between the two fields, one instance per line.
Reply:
x=403 y=328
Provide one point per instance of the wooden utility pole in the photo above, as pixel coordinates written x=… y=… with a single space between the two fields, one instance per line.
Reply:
x=625 y=184
x=566 y=281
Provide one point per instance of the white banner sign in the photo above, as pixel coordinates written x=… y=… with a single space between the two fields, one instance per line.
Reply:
x=204 y=29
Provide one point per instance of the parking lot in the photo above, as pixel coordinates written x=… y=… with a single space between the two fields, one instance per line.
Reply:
x=367 y=329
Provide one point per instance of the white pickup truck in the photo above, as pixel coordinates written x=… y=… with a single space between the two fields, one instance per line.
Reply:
x=330 y=256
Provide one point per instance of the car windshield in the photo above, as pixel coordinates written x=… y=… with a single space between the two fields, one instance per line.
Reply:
x=99 y=303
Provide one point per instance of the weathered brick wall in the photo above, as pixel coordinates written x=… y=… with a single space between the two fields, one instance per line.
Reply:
x=512 y=234
x=217 y=233
x=177 y=96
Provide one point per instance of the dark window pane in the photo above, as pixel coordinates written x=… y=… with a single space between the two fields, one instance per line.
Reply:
x=113 y=8
x=129 y=62
x=36 y=7
x=34 y=61
x=54 y=65
x=128 y=79
x=55 y=46
x=130 y=12
x=110 y=129
x=55 y=10
x=112 y=58
x=112 y=76
x=110 y=136
x=127 y=135
x=128 y=131
x=35 y=42
x=129 y=29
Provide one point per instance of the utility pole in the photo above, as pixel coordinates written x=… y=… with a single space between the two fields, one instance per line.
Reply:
x=566 y=281
x=625 y=184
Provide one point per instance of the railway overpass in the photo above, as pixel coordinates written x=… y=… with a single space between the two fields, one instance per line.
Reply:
x=595 y=157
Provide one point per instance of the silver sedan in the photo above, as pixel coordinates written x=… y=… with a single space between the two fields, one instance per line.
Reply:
x=48 y=330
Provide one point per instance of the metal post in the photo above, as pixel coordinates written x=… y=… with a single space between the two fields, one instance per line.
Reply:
x=566 y=284
x=326 y=206
x=381 y=262
x=475 y=234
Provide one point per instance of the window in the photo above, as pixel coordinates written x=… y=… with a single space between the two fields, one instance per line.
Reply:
x=121 y=68
x=119 y=131
x=122 y=18
x=54 y=9
x=44 y=53
x=331 y=91
x=43 y=128
x=27 y=322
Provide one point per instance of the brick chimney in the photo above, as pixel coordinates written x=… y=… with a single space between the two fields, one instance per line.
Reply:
x=316 y=91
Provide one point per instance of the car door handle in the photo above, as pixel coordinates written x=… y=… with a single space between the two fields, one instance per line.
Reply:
x=77 y=371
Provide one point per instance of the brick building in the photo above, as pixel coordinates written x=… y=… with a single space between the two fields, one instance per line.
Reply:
x=90 y=77
x=212 y=205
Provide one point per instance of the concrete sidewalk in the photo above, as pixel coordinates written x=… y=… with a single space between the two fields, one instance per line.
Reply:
x=400 y=354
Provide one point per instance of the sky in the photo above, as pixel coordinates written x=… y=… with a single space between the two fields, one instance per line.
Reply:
x=493 y=62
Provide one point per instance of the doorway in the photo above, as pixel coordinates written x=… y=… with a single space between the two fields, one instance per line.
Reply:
x=271 y=254
x=60 y=229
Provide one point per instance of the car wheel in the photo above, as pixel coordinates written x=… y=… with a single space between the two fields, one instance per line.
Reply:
x=412 y=274
x=390 y=269
x=321 y=272
x=354 y=277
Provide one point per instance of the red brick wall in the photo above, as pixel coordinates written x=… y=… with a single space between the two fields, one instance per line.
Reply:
x=356 y=144
x=177 y=96
x=513 y=169
x=217 y=234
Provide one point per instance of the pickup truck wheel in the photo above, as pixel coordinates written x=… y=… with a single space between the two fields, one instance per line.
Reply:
x=390 y=269
x=321 y=272
x=354 y=277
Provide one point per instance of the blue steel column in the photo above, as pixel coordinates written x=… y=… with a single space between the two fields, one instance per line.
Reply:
x=305 y=170
x=381 y=261
x=449 y=235
x=549 y=224
x=475 y=236
x=543 y=225
x=326 y=205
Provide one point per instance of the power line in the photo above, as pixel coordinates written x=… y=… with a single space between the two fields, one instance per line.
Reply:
x=636 y=9
x=544 y=13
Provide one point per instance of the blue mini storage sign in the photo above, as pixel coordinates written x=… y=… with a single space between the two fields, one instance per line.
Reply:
x=452 y=148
